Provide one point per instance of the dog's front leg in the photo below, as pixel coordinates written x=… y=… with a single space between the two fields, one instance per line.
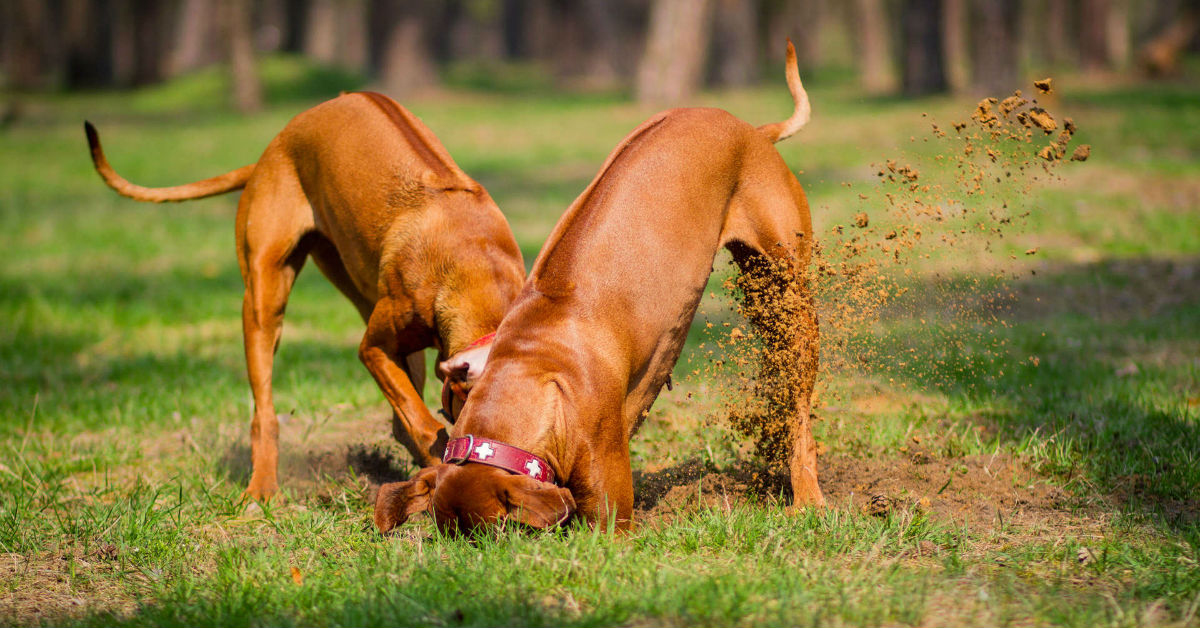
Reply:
x=423 y=436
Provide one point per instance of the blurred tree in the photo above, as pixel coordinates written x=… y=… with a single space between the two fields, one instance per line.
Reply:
x=321 y=31
x=1057 y=36
x=296 y=24
x=28 y=57
x=735 y=43
x=954 y=44
x=590 y=42
x=247 y=90
x=401 y=44
x=922 y=60
x=141 y=34
x=809 y=28
x=87 y=39
x=513 y=22
x=676 y=44
x=1046 y=33
x=351 y=36
x=196 y=38
x=874 y=46
x=1118 y=33
x=271 y=24
x=994 y=60
x=1094 y=53
x=474 y=30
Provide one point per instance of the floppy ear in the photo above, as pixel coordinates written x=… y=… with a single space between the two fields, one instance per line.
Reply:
x=465 y=366
x=398 y=501
x=536 y=503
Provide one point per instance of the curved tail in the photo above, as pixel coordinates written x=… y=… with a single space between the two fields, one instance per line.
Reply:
x=777 y=131
x=220 y=184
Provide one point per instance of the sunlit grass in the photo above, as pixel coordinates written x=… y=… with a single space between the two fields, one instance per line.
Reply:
x=124 y=408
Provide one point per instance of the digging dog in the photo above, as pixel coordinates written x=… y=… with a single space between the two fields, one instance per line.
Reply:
x=603 y=316
x=361 y=186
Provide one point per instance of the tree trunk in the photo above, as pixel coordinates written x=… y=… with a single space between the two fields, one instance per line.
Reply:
x=247 y=90
x=351 y=46
x=994 y=59
x=1117 y=31
x=735 y=42
x=123 y=50
x=810 y=23
x=476 y=32
x=296 y=18
x=402 y=49
x=271 y=21
x=196 y=37
x=874 y=46
x=1057 y=36
x=27 y=58
x=676 y=43
x=603 y=69
x=954 y=43
x=585 y=49
x=321 y=31
x=1094 y=54
x=87 y=36
x=512 y=23
x=924 y=69
x=150 y=18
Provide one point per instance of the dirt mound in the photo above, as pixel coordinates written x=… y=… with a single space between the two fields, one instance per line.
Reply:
x=980 y=492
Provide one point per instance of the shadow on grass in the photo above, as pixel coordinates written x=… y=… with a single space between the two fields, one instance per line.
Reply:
x=1094 y=370
x=76 y=346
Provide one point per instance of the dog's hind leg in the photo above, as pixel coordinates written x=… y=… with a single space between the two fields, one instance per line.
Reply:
x=273 y=218
x=769 y=233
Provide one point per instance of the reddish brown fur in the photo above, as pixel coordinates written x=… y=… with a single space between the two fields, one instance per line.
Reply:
x=596 y=331
x=363 y=187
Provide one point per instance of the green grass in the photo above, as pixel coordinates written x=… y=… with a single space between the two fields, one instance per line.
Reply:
x=1060 y=439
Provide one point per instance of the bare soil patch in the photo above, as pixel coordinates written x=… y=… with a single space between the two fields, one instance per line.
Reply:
x=979 y=492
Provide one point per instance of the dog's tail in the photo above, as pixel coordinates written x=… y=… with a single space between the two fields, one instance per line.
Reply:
x=777 y=131
x=220 y=184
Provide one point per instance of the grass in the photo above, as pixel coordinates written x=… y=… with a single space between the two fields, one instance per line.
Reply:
x=1040 y=469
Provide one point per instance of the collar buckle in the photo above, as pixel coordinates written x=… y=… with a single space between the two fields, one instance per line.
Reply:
x=450 y=457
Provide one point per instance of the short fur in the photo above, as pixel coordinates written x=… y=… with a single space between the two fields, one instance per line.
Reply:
x=362 y=187
x=601 y=321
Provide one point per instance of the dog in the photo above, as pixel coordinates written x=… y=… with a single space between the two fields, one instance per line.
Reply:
x=360 y=185
x=603 y=316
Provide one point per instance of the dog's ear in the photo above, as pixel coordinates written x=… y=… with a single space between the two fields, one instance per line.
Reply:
x=536 y=503
x=398 y=501
x=465 y=366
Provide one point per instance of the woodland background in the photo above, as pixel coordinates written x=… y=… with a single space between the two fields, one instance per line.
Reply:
x=659 y=50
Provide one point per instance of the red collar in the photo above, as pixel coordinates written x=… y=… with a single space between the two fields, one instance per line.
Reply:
x=482 y=340
x=497 y=454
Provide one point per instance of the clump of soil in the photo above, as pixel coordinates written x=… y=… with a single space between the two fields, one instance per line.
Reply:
x=778 y=363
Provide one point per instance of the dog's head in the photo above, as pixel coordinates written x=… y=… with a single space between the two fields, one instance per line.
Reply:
x=463 y=498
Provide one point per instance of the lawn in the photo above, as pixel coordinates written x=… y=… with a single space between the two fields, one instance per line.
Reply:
x=1029 y=460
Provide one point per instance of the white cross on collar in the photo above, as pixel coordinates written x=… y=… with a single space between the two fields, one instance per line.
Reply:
x=533 y=468
x=484 y=451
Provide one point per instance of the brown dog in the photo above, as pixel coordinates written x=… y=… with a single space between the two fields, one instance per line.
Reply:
x=363 y=187
x=595 y=332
